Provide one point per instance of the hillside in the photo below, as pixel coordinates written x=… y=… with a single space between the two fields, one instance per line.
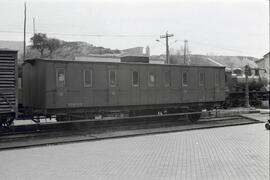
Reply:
x=14 y=45
x=70 y=50
x=234 y=61
x=228 y=61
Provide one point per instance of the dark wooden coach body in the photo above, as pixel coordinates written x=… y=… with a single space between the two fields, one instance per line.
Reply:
x=62 y=86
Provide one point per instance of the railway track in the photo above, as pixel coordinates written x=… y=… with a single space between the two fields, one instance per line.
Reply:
x=95 y=130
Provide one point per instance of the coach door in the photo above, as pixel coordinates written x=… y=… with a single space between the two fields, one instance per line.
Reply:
x=184 y=86
x=112 y=86
x=60 y=86
x=217 y=85
x=201 y=86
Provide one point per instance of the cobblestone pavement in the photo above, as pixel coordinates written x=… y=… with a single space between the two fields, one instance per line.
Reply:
x=239 y=152
x=258 y=116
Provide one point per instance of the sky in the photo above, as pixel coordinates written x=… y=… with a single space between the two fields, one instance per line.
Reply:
x=216 y=27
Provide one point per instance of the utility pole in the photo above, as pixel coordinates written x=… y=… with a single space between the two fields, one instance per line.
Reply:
x=167 y=45
x=247 y=70
x=24 y=31
x=269 y=47
x=34 y=26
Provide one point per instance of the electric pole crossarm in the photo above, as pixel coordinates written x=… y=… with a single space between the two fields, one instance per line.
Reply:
x=167 y=35
x=167 y=45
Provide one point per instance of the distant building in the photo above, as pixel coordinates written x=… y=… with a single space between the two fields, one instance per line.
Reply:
x=99 y=58
x=157 y=59
x=135 y=54
x=132 y=51
x=136 y=51
x=114 y=58
x=147 y=51
x=264 y=64
x=135 y=58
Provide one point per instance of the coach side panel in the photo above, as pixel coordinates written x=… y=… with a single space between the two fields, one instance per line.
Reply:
x=108 y=84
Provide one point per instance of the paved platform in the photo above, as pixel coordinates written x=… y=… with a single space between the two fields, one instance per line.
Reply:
x=56 y=137
x=238 y=152
x=263 y=116
x=257 y=116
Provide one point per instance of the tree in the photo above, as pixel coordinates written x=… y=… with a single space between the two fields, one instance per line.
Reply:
x=39 y=42
x=175 y=56
x=52 y=45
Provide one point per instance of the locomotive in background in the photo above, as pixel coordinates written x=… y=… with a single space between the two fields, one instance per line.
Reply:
x=236 y=87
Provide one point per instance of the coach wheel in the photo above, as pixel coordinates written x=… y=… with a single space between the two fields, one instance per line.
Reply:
x=7 y=121
x=132 y=113
x=10 y=121
x=194 y=117
x=61 y=118
x=267 y=126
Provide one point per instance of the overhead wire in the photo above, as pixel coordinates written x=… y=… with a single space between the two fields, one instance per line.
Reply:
x=123 y=36
x=91 y=35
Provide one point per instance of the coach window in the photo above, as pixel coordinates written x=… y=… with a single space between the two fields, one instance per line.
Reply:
x=151 y=79
x=135 y=79
x=60 y=77
x=184 y=79
x=202 y=79
x=87 y=76
x=216 y=78
x=112 y=78
x=167 y=79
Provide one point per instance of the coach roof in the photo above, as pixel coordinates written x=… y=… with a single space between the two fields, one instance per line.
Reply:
x=32 y=61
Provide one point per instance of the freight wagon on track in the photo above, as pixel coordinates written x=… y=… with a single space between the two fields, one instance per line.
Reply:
x=8 y=86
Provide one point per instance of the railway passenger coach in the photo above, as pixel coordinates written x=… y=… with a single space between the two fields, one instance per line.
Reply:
x=72 y=89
